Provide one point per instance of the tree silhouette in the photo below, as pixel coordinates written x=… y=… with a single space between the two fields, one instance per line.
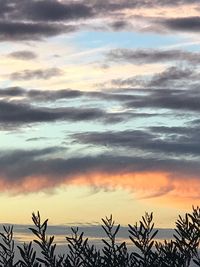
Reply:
x=181 y=251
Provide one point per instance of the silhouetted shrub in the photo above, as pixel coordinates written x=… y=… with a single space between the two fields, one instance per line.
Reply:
x=145 y=252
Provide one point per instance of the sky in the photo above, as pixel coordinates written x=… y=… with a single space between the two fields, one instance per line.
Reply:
x=99 y=109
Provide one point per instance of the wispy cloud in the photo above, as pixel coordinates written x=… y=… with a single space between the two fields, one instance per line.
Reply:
x=36 y=74
x=23 y=55
x=152 y=55
x=175 y=140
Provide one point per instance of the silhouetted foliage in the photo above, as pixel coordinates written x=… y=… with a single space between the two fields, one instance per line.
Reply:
x=142 y=237
x=7 y=246
x=113 y=254
x=145 y=251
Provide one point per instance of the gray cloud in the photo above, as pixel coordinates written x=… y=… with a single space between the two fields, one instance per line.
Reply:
x=47 y=95
x=40 y=95
x=56 y=10
x=173 y=98
x=36 y=74
x=172 y=76
x=177 y=141
x=23 y=55
x=188 y=24
x=185 y=100
x=17 y=30
x=119 y=25
x=144 y=56
x=113 y=6
x=21 y=155
x=11 y=91
x=131 y=103
x=18 y=113
x=35 y=139
x=129 y=82
x=17 y=166
x=51 y=10
x=34 y=20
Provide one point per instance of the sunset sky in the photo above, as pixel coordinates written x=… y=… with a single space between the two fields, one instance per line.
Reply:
x=99 y=109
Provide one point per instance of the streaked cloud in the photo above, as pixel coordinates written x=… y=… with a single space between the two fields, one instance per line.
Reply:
x=35 y=20
x=10 y=30
x=174 y=140
x=56 y=10
x=186 y=24
x=32 y=171
x=152 y=56
x=23 y=55
x=36 y=74
x=19 y=113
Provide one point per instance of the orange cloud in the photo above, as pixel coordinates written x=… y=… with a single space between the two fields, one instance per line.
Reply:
x=165 y=12
x=142 y=185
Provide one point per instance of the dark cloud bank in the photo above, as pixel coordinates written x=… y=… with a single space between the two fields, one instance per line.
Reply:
x=35 y=20
x=177 y=141
x=133 y=101
x=17 y=166
x=174 y=150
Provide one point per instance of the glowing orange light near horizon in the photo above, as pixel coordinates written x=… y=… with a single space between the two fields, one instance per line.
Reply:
x=141 y=184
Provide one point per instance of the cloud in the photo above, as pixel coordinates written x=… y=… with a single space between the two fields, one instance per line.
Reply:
x=23 y=55
x=24 y=171
x=40 y=95
x=50 y=10
x=18 y=109
x=17 y=30
x=172 y=76
x=35 y=139
x=35 y=20
x=119 y=25
x=174 y=89
x=131 y=81
x=11 y=92
x=36 y=74
x=18 y=113
x=159 y=96
x=181 y=100
x=114 y=6
x=56 y=10
x=186 y=24
x=152 y=56
x=47 y=95
x=43 y=10
x=168 y=141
